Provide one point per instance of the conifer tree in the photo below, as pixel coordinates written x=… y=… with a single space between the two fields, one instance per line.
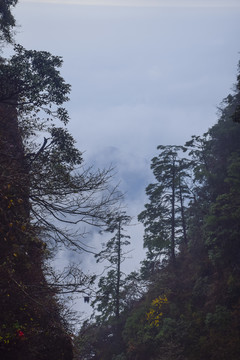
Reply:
x=164 y=216
x=109 y=300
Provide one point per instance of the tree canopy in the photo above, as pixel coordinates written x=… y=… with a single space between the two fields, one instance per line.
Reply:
x=164 y=216
x=7 y=20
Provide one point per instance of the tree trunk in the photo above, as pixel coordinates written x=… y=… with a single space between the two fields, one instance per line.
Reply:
x=118 y=271
x=182 y=214
x=173 y=257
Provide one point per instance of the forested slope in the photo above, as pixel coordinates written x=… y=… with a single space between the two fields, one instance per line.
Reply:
x=45 y=195
x=31 y=324
x=191 y=308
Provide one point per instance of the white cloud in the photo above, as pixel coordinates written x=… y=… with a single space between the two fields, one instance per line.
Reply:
x=144 y=3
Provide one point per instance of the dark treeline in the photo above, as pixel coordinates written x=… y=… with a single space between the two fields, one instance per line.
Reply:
x=190 y=309
x=31 y=321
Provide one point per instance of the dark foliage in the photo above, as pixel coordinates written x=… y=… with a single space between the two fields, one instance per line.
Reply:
x=7 y=20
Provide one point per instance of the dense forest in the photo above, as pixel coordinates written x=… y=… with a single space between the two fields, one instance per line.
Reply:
x=184 y=303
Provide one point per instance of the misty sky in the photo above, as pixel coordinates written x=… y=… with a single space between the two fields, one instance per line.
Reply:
x=143 y=73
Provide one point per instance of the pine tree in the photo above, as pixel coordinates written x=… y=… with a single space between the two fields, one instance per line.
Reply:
x=164 y=216
x=109 y=300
